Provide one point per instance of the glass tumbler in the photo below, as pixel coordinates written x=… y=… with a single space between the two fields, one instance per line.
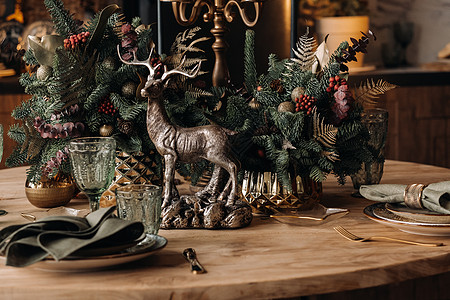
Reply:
x=141 y=202
x=376 y=121
x=93 y=162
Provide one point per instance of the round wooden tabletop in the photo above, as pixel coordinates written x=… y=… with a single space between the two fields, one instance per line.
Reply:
x=267 y=259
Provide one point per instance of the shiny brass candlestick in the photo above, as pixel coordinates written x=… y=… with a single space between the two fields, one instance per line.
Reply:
x=219 y=11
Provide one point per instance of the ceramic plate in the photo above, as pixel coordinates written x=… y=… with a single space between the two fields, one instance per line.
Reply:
x=380 y=214
x=83 y=264
x=419 y=215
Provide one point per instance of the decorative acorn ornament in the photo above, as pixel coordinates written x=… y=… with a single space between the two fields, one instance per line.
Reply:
x=106 y=130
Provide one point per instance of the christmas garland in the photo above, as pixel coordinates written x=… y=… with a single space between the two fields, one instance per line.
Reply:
x=299 y=116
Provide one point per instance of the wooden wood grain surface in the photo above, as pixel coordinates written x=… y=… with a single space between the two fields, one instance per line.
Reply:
x=265 y=260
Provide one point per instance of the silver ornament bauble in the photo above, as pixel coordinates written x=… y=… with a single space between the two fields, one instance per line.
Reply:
x=297 y=92
x=44 y=72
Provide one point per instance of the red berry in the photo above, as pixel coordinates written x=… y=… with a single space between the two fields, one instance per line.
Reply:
x=336 y=77
x=331 y=79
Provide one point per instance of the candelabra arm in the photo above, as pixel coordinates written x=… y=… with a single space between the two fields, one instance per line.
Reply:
x=250 y=23
x=179 y=10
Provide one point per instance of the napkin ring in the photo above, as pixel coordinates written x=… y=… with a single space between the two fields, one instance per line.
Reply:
x=413 y=195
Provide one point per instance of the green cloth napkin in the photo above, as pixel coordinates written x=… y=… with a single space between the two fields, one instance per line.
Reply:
x=435 y=197
x=61 y=236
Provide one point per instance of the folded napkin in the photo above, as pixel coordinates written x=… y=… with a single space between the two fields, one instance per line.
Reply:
x=435 y=196
x=61 y=236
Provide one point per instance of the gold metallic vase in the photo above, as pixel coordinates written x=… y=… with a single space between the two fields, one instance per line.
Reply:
x=263 y=191
x=137 y=168
x=51 y=192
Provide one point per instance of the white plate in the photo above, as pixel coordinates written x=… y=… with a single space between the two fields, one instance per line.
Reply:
x=380 y=214
x=100 y=262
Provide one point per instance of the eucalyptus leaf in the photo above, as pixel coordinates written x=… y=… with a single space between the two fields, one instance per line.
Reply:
x=97 y=35
x=44 y=48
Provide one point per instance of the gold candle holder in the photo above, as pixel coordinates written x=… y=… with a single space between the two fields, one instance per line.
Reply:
x=219 y=12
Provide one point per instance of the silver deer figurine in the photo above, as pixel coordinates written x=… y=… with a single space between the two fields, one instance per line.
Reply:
x=175 y=143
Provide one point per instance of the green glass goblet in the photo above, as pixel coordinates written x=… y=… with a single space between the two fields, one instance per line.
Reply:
x=93 y=161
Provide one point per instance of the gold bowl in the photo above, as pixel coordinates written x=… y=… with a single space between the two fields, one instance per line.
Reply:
x=50 y=192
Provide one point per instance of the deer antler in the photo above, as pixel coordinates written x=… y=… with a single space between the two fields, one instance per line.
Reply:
x=165 y=77
x=136 y=62
x=193 y=73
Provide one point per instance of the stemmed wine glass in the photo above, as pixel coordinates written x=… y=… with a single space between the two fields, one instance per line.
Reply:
x=93 y=161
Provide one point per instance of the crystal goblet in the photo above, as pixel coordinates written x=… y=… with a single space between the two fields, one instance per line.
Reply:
x=93 y=161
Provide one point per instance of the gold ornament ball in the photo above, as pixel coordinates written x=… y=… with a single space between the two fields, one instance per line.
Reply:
x=129 y=89
x=297 y=92
x=254 y=104
x=106 y=130
x=286 y=106
x=44 y=72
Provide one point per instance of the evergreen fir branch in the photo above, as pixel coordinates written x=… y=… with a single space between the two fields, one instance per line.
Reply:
x=34 y=173
x=136 y=21
x=324 y=133
x=95 y=96
x=131 y=112
x=367 y=92
x=22 y=111
x=304 y=51
x=290 y=124
x=29 y=58
x=63 y=21
x=16 y=159
x=250 y=74
x=16 y=133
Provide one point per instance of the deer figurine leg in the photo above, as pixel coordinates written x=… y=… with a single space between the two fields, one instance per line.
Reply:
x=211 y=190
x=231 y=167
x=169 y=174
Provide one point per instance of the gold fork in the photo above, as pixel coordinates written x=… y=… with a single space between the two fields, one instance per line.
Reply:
x=350 y=236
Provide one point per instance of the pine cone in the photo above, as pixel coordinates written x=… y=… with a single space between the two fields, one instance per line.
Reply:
x=125 y=127
x=276 y=85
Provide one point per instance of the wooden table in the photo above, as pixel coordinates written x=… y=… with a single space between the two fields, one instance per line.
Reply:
x=265 y=260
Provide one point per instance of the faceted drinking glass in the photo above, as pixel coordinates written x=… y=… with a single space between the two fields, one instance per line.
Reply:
x=376 y=121
x=142 y=203
x=93 y=163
